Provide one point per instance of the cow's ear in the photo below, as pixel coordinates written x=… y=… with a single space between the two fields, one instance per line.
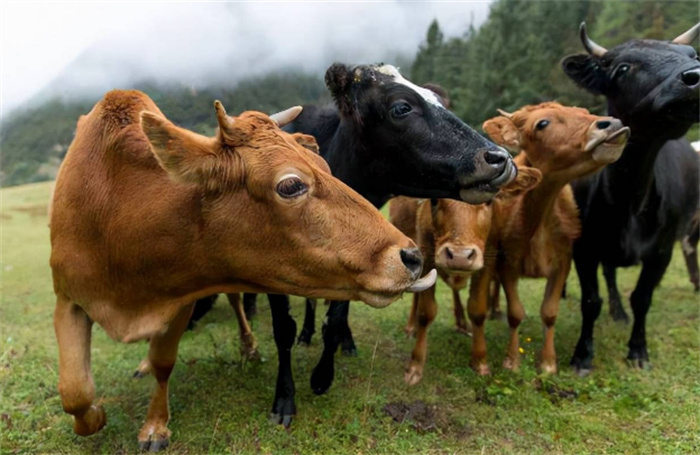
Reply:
x=527 y=179
x=187 y=157
x=339 y=79
x=586 y=71
x=503 y=132
x=307 y=141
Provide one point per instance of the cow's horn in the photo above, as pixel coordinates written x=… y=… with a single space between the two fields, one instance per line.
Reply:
x=591 y=47
x=286 y=116
x=504 y=113
x=225 y=122
x=424 y=283
x=689 y=36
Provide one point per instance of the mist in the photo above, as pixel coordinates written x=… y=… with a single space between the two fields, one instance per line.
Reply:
x=80 y=49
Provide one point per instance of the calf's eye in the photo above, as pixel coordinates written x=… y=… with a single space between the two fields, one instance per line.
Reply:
x=400 y=109
x=542 y=124
x=291 y=186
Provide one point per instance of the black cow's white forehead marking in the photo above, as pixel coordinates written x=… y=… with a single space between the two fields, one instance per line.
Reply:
x=427 y=95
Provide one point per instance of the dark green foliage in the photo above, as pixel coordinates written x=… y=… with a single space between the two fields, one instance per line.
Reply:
x=514 y=58
x=35 y=140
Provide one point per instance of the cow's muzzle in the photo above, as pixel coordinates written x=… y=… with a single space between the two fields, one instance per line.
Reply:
x=493 y=169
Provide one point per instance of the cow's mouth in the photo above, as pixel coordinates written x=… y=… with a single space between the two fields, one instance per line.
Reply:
x=380 y=299
x=483 y=191
x=608 y=149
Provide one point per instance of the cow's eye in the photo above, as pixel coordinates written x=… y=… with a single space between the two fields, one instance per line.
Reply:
x=542 y=124
x=291 y=186
x=400 y=109
x=621 y=70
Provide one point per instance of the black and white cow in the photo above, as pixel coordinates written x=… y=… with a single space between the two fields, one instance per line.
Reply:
x=384 y=136
x=635 y=209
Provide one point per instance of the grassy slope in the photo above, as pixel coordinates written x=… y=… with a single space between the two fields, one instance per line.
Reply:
x=220 y=405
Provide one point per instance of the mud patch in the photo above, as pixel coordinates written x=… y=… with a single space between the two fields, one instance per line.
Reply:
x=422 y=416
x=555 y=392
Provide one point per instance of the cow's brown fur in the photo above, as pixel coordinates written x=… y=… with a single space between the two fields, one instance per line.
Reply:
x=533 y=233
x=147 y=217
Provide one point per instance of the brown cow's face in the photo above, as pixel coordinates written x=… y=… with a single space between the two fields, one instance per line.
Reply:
x=461 y=231
x=563 y=142
x=273 y=216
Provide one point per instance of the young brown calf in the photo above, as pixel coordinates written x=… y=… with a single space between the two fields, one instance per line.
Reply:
x=147 y=217
x=533 y=233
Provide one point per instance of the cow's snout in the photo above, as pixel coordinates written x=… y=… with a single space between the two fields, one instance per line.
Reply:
x=457 y=259
x=413 y=260
x=609 y=125
x=691 y=78
x=496 y=159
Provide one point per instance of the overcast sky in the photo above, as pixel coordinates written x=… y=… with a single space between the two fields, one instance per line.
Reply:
x=96 y=46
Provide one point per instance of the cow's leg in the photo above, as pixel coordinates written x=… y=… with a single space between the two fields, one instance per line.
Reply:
x=653 y=269
x=516 y=314
x=73 y=332
x=285 y=331
x=309 y=328
x=549 y=312
x=494 y=300
x=689 y=246
x=201 y=307
x=617 y=311
x=425 y=315
x=249 y=305
x=336 y=318
x=591 y=303
x=476 y=308
x=461 y=322
x=347 y=344
x=249 y=345
x=410 y=328
x=162 y=353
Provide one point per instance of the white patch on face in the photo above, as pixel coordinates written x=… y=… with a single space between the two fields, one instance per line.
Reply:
x=427 y=95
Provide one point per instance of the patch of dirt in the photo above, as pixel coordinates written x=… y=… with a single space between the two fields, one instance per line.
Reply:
x=555 y=392
x=422 y=416
x=33 y=209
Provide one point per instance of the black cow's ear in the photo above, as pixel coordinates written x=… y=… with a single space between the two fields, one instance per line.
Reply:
x=339 y=78
x=586 y=71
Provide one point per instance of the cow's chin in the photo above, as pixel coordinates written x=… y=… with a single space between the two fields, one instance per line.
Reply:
x=610 y=149
x=483 y=192
x=378 y=300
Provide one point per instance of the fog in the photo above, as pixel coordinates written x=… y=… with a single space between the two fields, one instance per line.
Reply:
x=71 y=49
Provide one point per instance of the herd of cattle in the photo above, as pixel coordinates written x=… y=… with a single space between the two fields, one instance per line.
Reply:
x=148 y=217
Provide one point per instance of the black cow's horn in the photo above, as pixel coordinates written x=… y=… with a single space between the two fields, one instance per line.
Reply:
x=286 y=116
x=689 y=36
x=591 y=47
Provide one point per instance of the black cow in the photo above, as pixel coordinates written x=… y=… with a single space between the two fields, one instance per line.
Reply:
x=384 y=136
x=635 y=209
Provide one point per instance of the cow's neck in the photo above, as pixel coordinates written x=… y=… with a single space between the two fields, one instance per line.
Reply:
x=538 y=203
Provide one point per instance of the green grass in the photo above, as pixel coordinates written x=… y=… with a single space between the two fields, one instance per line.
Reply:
x=220 y=405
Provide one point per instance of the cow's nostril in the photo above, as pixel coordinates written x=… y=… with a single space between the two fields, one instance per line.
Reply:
x=496 y=156
x=603 y=124
x=691 y=77
x=471 y=254
x=449 y=254
x=413 y=260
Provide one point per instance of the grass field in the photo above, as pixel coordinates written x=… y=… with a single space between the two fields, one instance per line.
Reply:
x=220 y=405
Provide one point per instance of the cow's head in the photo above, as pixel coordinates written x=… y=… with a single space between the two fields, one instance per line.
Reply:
x=409 y=135
x=652 y=86
x=272 y=216
x=563 y=142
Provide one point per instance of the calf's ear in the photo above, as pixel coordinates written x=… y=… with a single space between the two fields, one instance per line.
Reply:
x=339 y=79
x=527 y=179
x=586 y=71
x=503 y=132
x=186 y=156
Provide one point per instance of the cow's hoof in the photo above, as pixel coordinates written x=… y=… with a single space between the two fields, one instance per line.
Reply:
x=618 y=314
x=153 y=438
x=281 y=419
x=91 y=422
x=582 y=365
x=464 y=330
x=511 y=364
x=548 y=367
x=305 y=338
x=349 y=350
x=322 y=378
x=251 y=355
x=414 y=373
x=143 y=370
x=410 y=331
x=639 y=358
x=481 y=367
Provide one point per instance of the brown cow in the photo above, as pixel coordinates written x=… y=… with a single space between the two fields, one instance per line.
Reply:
x=147 y=217
x=452 y=236
x=533 y=233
